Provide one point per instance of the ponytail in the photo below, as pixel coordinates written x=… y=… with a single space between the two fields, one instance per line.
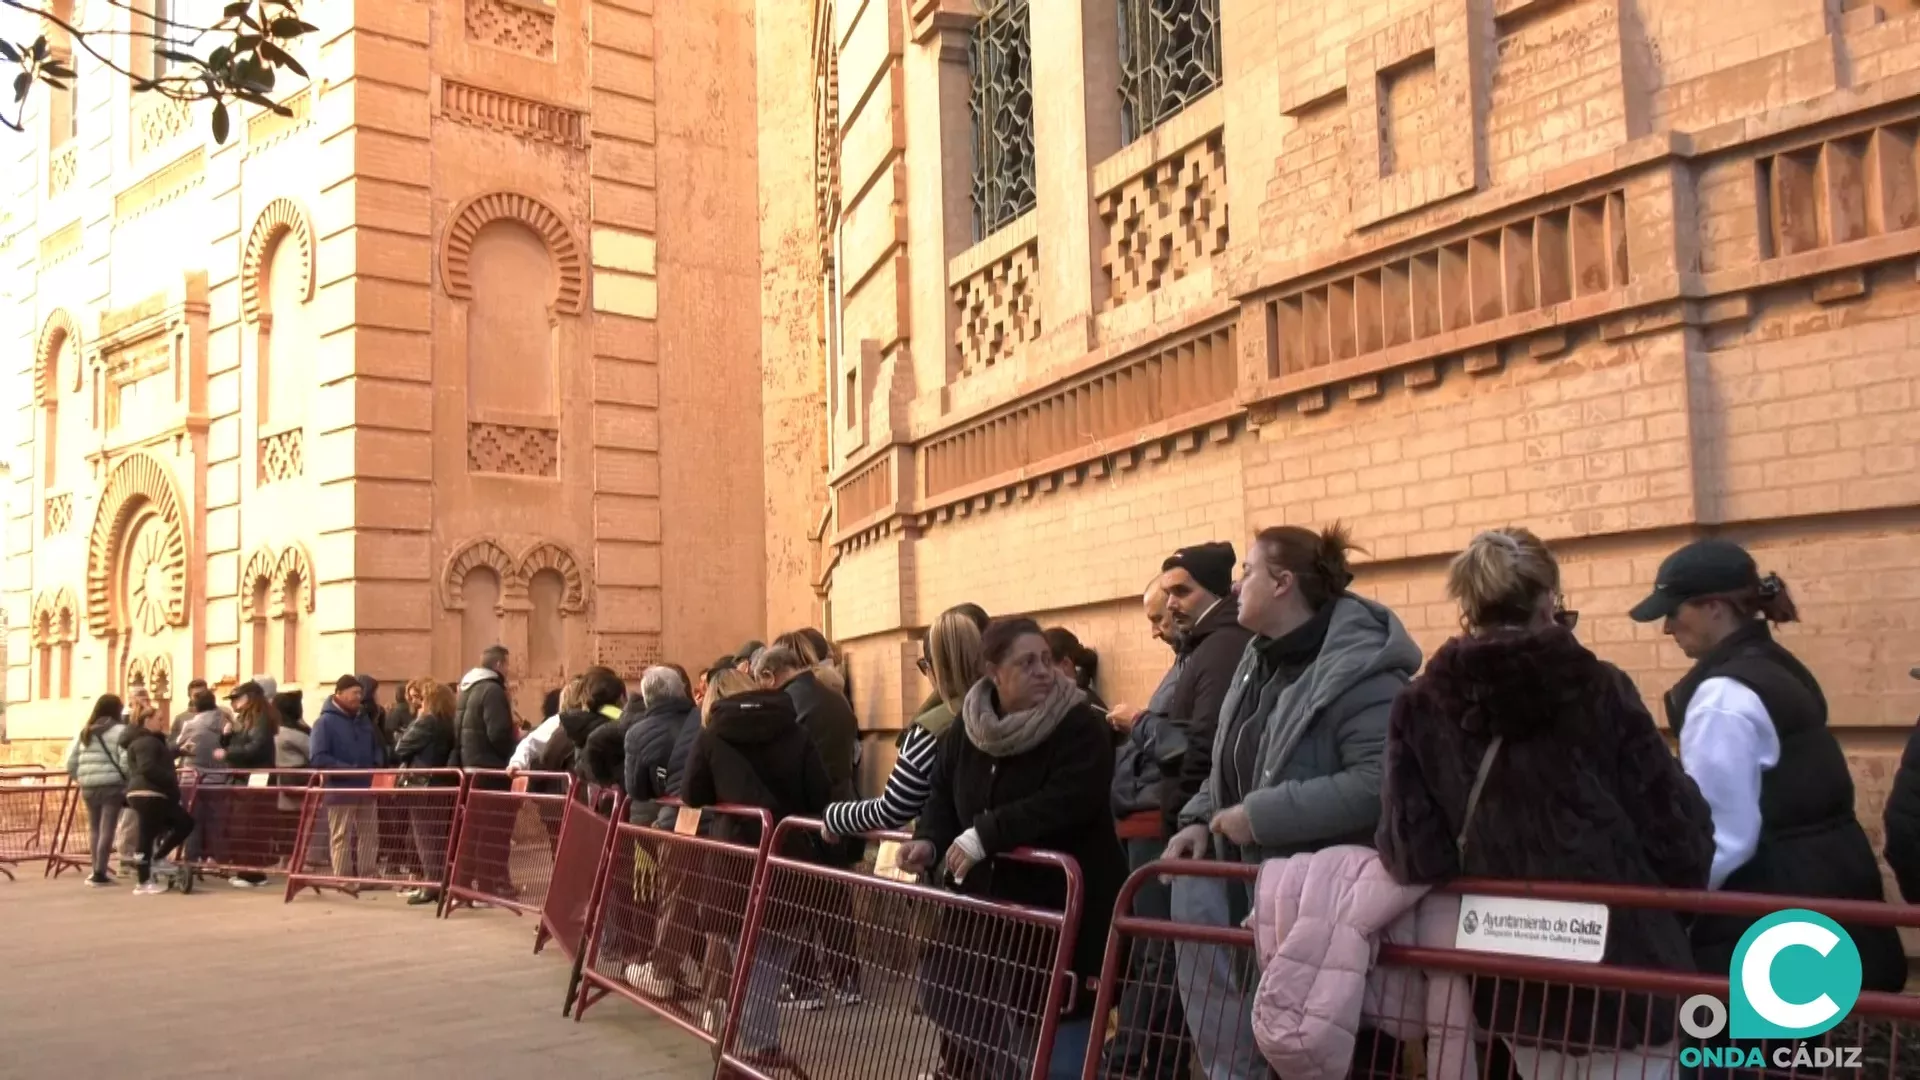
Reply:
x=1318 y=561
x=1773 y=602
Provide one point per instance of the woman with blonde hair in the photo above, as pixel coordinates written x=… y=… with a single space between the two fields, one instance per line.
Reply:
x=1517 y=753
x=950 y=658
x=428 y=743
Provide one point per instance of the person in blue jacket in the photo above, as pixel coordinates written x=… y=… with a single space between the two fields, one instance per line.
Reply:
x=343 y=738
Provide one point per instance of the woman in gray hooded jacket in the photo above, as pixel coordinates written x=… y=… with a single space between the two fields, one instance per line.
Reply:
x=1297 y=757
x=99 y=766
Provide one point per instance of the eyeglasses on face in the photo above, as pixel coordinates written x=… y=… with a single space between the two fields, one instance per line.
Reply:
x=925 y=665
x=1566 y=618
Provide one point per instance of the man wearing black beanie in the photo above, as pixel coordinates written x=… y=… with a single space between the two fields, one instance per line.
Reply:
x=1199 y=585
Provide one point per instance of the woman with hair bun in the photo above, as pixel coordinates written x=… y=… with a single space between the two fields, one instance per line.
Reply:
x=1296 y=755
x=1753 y=733
x=1520 y=754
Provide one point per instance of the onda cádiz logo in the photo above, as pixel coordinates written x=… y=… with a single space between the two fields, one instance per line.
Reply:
x=1795 y=975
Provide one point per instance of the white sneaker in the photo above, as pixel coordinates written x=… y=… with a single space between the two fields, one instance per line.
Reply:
x=151 y=888
x=644 y=978
x=242 y=883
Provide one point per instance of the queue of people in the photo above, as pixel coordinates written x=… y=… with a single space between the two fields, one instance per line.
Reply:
x=1295 y=717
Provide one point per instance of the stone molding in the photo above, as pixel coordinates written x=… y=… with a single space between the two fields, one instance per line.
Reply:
x=136 y=481
x=511 y=114
x=482 y=210
x=281 y=218
x=59 y=332
x=514 y=573
x=60 y=243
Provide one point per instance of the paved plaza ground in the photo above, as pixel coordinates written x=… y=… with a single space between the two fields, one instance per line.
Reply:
x=101 y=983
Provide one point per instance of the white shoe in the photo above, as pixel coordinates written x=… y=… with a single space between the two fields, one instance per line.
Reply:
x=151 y=888
x=644 y=978
x=242 y=883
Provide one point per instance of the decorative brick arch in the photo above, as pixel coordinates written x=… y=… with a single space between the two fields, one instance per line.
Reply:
x=160 y=678
x=294 y=563
x=40 y=626
x=66 y=617
x=138 y=481
x=481 y=211
x=137 y=675
x=547 y=555
x=57 y=334
x=476 y=553
x=260 y=568
x=282 y=221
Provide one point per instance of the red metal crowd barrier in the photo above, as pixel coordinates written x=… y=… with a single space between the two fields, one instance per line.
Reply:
x=1493 y=1016
x=32 y=802
x=509 y=833
x=384 y=828
x=248 y=820
x=949 y=985
x=579 y=859
x=668 y=914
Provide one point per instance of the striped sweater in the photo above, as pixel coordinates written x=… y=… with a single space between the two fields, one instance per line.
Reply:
x=906 y=792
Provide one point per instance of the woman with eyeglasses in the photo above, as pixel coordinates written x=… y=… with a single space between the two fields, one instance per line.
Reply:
x=1517 y=753
x=1753 y=733
x=950 y=659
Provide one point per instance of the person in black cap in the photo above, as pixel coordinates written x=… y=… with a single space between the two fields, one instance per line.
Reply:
x=1199 y=585
x=1753 y=733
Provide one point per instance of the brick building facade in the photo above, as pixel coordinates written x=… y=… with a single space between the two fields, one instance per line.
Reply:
x=372 y=386
x=1089 y=281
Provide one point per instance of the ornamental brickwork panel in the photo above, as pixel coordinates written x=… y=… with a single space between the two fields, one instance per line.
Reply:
x=999 y=308
x=59 y=514
x=282 y=457
x=1167 y=222
x=512 y=451
x=514 y=25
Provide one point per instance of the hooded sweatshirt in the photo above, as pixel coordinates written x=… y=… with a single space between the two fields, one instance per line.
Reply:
x=199 y=738
x=95 y=758
x=1306 y=761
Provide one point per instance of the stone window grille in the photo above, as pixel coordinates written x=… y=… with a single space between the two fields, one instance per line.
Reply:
x=1000 y=63
x=1169 y=58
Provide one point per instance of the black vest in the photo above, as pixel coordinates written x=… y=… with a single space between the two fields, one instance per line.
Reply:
x=1811 y=788
x=1811 y=844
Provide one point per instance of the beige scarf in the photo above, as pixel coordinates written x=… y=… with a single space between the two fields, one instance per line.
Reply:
x=1006 y=735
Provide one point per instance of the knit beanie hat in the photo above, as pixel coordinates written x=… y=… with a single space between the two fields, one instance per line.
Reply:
x=1211 y=564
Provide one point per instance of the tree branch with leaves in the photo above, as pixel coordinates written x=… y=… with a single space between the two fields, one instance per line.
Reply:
x=233 y=59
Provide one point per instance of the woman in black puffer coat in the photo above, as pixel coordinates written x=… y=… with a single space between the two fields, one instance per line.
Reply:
x=428 y=743
x=153 y=791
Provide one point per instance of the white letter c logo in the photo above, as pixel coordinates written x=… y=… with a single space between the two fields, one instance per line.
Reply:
x=1756 y=975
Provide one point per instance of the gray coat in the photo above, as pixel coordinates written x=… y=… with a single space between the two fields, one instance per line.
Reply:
x=199 y=738
x=1318 y=771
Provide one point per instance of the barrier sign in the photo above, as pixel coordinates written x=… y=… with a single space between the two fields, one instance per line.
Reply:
x=1548 y=929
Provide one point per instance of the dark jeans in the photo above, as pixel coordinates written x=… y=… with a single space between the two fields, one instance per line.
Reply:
x=103 y=817
x=164 y=826
x=1151 y=1042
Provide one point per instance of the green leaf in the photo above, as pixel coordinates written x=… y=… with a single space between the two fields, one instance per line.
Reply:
x=277 y=55
x=53 y=82
x=220 y=122
x=58 y=70
x=21 y=83
x=40 y=47
x=220 y=58
x=179 y=57
x=286 y=26
x=7 y=50
x=235 y=9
